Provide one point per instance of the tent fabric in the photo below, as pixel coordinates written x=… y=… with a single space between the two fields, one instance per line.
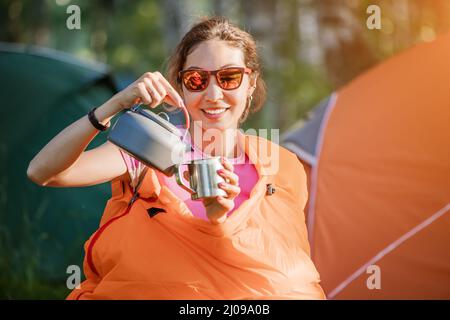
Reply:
x=304 y=140
x=156 y=248
x=42 y=92
x=380 y=189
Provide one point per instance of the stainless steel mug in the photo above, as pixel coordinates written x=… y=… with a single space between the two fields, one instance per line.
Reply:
x=203 y=178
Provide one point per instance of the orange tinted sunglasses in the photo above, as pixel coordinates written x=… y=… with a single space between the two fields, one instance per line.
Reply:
x=197 y=80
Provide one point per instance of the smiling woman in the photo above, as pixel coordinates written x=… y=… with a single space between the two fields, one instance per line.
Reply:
x=250 y=244
x=232 y=56
x=217 y=90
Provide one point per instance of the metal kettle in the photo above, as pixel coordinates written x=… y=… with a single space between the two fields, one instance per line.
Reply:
x=150 y=138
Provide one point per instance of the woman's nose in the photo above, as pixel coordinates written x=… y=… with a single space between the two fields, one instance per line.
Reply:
x=213 y=91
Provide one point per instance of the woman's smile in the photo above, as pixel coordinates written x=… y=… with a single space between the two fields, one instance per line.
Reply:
x=214 y=113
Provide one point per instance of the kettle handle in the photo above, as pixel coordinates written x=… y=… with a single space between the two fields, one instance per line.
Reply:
x=180 y=180
x=186 y=114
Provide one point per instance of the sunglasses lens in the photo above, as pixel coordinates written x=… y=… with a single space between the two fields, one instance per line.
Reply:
x=195 y=80
x=230 y=78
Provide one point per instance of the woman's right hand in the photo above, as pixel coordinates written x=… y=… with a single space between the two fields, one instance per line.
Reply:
x=151 y=89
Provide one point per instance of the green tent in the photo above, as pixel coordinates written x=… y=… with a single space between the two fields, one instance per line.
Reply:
x=42 y=230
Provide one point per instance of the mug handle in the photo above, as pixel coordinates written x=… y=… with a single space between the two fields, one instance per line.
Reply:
x=180 y=180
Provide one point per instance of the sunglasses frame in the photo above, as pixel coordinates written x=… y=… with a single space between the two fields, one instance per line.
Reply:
x=244 y=70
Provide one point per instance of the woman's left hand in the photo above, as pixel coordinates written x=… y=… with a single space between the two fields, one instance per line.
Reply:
x=218 y=207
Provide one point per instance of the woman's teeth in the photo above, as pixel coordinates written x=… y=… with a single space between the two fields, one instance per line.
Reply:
x=214 y=111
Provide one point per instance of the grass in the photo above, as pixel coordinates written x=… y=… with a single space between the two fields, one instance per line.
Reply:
x=20 y=264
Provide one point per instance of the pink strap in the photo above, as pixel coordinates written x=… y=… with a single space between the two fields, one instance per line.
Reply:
x=134 y=168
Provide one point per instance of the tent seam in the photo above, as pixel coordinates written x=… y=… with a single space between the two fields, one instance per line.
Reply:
x=388 y=249
x=314 y=168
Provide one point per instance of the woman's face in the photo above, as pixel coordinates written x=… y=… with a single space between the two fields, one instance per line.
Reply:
x=227 y=105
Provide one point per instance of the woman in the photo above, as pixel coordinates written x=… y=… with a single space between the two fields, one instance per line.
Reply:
x=250 y=244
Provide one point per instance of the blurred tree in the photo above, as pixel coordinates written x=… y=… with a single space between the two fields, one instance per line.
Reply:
x=173 y=22
x=346 y=53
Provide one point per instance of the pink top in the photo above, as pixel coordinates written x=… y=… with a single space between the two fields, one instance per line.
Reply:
x=246 y=171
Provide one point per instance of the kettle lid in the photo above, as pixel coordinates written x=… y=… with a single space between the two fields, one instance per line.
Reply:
x=159 y=120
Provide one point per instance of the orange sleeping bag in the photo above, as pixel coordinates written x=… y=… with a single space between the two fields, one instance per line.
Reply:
x=156 y=249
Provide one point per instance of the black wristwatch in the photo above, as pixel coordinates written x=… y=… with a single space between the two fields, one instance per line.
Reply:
x=93 y=119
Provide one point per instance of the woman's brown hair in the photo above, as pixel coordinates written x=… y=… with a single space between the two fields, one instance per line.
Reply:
x=220 y=28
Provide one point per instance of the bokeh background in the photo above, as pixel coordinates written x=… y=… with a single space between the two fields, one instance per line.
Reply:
x=309 y=49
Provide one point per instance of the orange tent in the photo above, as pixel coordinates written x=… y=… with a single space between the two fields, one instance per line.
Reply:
x=377 y=154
